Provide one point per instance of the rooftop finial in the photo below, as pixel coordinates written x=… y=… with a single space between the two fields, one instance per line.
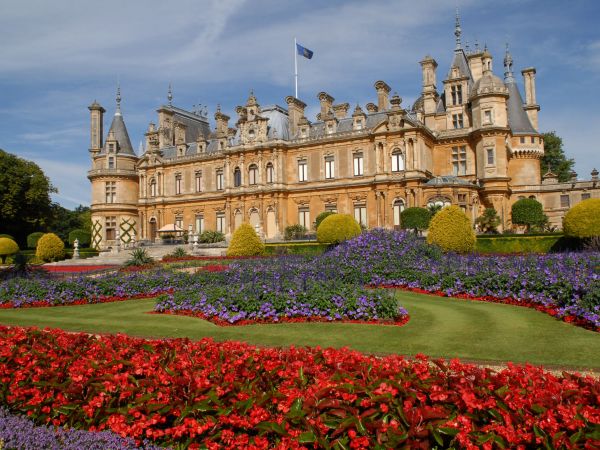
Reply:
x=170 y=95
x=457 y=30
x=508 y=62
x=476 y=45
x=118 y=112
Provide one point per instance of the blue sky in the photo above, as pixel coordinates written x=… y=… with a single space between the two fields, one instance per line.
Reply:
x=57 y=57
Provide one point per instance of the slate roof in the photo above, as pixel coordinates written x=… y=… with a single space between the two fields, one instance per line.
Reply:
x=518 y=120
x=120 y=132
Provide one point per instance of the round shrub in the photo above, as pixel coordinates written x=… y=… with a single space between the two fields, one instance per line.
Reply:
x=451 y=230
x=84 y=237
x=528 y=212
x=337 y=228
x=33 y=239
x=415 y=218
x=321 y=217
x=583 y=219
x=8 y=236
x=50 y=248
x=7 y=247
x=245 y=242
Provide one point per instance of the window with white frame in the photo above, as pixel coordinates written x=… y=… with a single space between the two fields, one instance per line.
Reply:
x=221 y=222
x=270 y=173
x=111 y=191
x=177 y=184
x=199 y=223
x=459 y=160
x=358 y=164
x=398 y=208
x=329 y=167
x=490 y=156
x=153 y=187
x=397 y=161
x=219 y=180
x=360 y=214
x=253 y=174
x=198 y=181
x=331 y=208
x=457 y=121
x=304 y=217
x=302 y=170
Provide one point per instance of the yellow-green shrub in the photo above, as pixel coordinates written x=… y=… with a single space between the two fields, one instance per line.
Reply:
x=245 y=242
x=7 y=247
x=583 y=219
x=337 y=228
x=50 y=248
x=451 y=230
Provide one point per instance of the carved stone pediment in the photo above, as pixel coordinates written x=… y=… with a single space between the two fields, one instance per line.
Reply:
x=178 y=212
x=199 y=210
x=358 y=196
x=302 y=200
x=329 y=198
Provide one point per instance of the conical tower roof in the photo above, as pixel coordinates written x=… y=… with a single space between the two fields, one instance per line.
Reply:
x=518 y=120
x=118 y=130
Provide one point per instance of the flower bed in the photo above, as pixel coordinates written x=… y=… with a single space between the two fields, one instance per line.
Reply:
x=18 y=432
x=77 y=269
x=232 y=395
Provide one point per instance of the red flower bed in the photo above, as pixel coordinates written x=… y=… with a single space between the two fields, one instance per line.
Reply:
x=77 y=269
x=401 y=321
x=550 y=310
x=233 y=395
x=214 y=268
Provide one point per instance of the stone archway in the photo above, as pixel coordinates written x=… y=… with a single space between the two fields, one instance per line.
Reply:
x=237 y=219
x=255 y=219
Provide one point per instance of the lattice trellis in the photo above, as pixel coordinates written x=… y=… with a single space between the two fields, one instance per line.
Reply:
x=127 y=227
x=96 y=234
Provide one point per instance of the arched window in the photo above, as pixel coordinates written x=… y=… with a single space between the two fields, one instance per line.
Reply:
x=153 y=187
x=439 y=202
x=237 y=177
x=398 y=208
x=397 y=161
x=270 y=173
x=253 y=174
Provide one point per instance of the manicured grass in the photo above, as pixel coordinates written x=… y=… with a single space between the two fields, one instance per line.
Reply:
x=439 y=327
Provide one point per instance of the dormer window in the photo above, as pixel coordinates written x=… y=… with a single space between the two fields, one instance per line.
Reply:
x=456 y=95
x=457 y=121
x=111 y=148
x=359 y=124
x=522 y=139
x=330 y=128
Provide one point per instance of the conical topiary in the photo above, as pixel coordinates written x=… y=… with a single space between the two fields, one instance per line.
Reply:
x=452 y=231
x=245 y=242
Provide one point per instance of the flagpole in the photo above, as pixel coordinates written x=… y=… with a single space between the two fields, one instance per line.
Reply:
x=296 y=65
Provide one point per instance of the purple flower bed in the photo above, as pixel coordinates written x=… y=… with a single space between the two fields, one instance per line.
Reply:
x=19 y=432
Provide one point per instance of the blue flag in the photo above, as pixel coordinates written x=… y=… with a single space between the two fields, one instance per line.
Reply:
x=304 y=51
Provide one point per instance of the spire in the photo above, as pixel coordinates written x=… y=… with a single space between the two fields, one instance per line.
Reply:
x=508 y=62
x=118 y=111
x=170 y=95
x=457 y=30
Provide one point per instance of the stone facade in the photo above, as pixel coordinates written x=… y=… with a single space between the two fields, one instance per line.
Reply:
x=470 y=141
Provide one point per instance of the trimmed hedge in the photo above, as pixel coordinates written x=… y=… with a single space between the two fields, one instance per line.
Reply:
x=245 y=242
x=452 y=231
x=309 y=248
x=33 y=238
x=526 y=243
x=337 y=228
x=84 y=237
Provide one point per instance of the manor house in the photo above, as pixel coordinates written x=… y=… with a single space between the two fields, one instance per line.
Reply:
x=470 y=141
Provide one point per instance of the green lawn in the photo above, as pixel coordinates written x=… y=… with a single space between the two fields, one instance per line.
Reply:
x=450 y=328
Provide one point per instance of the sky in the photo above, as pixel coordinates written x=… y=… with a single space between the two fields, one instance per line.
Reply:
x=57 y=57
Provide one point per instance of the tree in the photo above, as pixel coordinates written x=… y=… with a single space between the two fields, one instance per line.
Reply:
x=488 y=222
x=555 y=158
x=25 y=203
x=528 y=212
x=63 y=220
x=415 y=218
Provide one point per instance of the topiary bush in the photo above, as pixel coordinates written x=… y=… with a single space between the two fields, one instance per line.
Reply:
x=415 y=218
x=451 y=230
x=583 y=219
x=7 y=247
x=50 y=248
x=321 y=217
x=528 y=212
x=337 y=228
x=84 y=237
x=8 y=236
x=245 y=242
x=33 y=239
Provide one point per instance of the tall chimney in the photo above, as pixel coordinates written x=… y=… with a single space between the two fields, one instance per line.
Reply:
x=383 y=91
x=531 y=106
x=96 y=126
x=428 y=66
x=341 y=110
x=222 y=122
x=295 y=113
x=326 y=103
